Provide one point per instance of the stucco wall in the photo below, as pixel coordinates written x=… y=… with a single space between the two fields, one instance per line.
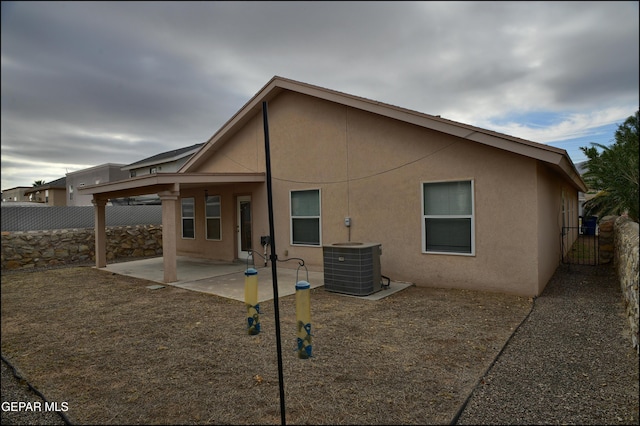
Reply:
x=226 y=248
x=38 y=249
x=549 y=222
x=57 y=197
x=371 y=169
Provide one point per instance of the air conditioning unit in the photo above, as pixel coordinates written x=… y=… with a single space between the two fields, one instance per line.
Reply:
x=352 y=268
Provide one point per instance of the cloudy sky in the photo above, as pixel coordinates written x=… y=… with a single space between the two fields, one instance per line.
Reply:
x=87 y=83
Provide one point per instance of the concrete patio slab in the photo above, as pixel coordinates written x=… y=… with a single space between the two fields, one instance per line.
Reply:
x=226 y=279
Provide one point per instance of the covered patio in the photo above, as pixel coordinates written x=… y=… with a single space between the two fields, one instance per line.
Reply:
x=169 y=187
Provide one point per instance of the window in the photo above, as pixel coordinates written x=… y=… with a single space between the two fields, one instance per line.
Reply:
x=305 y=217
x=153 y=170
x=188 y=222
x=132 y=173
x=71 y=192
x=213 y=220
x=447 y=218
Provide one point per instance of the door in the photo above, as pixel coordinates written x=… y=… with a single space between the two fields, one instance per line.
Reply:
x=243 y=228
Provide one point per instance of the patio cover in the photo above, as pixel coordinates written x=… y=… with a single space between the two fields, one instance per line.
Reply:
x=167 y=186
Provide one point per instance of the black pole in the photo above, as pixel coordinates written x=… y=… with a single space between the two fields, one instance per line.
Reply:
x=273 y=258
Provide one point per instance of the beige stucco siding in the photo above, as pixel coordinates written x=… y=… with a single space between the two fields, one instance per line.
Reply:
x=378 y=184
x=244 y=154
x=550 y=221
x=225 y=248
x=371 y=169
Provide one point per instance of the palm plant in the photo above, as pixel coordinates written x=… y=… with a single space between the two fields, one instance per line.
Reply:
x=613 y=173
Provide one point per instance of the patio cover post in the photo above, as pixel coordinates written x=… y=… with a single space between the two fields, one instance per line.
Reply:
x=100 y=224
x=169 y=258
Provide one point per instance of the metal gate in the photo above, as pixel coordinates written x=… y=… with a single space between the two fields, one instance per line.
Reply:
x=580 y=245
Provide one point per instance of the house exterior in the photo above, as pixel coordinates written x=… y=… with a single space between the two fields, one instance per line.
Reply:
x=53 y=193
x=452 y=205
x=165 y=162
x=15 y=194
x=108 y=172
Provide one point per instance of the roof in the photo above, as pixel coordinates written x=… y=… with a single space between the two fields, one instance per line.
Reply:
x=94 y=168
x=60 y=183
x=17 y=187
x=165 y=157
x=555 y=157
x=187 y=175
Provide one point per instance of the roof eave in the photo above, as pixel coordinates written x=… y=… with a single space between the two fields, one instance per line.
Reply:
x=535 y=150
x=154 y=183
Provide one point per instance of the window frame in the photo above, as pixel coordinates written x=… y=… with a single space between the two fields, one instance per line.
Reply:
x=207 y=217
x=471 y=216
x=183 y=218
x=318 y=217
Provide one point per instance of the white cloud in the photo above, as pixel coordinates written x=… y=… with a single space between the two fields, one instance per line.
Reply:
x=571 y=126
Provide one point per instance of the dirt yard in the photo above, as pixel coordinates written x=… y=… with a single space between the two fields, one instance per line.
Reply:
x=118 y=352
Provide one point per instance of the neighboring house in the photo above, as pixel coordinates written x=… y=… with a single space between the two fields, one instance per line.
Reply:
x=452 y=205
x=103 y=173
x=53 y=193
x=166 y=162
x=15 y=194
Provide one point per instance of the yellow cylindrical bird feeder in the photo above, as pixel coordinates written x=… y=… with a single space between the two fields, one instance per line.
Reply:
x=303 y=316
x=251 y=300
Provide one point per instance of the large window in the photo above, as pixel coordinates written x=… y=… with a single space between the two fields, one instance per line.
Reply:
x=447 y=218
x=213 y=218
x=188 y=220
x=305 y=217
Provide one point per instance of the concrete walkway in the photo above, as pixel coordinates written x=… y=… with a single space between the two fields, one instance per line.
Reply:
x=226 y=279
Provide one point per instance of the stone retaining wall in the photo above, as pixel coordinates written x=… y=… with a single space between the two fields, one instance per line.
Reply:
x=606 y=237
x=39 y=249
x=626 y=263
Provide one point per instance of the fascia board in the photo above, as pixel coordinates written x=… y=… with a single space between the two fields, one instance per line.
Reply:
x=554 y=156
x=252 y=107
x=168 y=179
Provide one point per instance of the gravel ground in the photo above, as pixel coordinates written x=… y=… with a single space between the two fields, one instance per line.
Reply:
x=569 y=362
x=16 y=389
